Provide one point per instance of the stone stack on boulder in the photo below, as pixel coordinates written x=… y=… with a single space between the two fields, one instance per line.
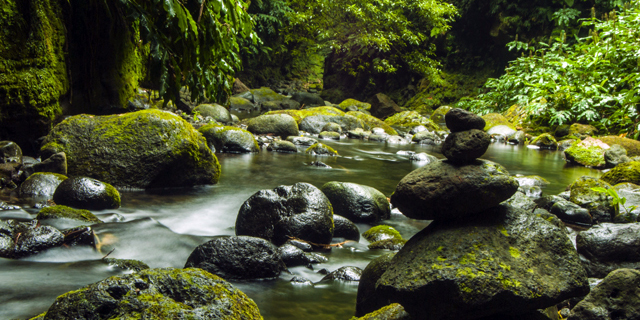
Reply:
x=478 y=258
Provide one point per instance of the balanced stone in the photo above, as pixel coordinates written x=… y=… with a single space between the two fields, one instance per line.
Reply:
x=461 y=120
x=444 y=190
x=465 y=146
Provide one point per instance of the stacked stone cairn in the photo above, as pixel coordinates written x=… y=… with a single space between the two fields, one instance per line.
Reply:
x=478 y=259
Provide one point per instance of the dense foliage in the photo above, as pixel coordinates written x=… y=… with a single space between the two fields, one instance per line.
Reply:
x=193 y=43
x=594 y=80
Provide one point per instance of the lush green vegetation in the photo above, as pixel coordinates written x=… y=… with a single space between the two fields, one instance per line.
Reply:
x=594 y=78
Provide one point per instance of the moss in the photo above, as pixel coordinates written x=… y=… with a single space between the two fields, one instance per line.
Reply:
x=64 y=212
x=410 y=119
x=514 y=252
x=301 y=114
x=389 y=244
x=130 y=65
x=39 y=317
x=392 y=311
x=373 y=122
x=354 y=103
x=586 y=154
x=632 y=146
x=321 y=149
x=578 y=130
x=496 y=119
x=624 y=172
x=545 y=141
x=381 y=232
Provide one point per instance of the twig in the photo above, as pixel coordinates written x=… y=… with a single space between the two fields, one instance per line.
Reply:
x=106 y=255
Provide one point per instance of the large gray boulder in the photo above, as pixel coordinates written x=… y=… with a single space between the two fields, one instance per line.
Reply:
x=616 y=297
x=144 y=149
x=282 y=125
x=503 y=262
x=156 y=294
x=229 y=139
x=443 y=190
x=245 y=258
x=358 y=203
x=608 y=246
x=301 y=211
x=215 y=111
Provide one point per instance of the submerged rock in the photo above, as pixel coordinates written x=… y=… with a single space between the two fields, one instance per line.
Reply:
x=609 y=246
x=344 y=274
x=18 y=239
x=616 y=297
x=442 y=190
x=301 y=211
x=144 y=149
x=238 y=258
x=321 y=150
x=358 y=203
x=156 y=294
x=503 y=262
x=87 y=193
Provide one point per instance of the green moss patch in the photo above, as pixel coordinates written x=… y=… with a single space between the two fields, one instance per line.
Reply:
x=64 y=212
x=381 y=232
x=373 y=122
x=496 y=119
x=410 y=119
x=624 y=172
x=588 y=152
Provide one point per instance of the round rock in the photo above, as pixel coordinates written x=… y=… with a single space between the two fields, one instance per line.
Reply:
x=465 y=146
x=356 y=202
x=443 y=190
x=87 y=193
x=344 y=228
x=461 y=120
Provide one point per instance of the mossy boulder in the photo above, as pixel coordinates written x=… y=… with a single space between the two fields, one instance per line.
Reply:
x=599 y=204
x=345 y=228
x=393 y=311
x=422 y=102
x=156 y=294
x=579 y=130
x=410 y=119
x=242 y=104
x=321 y=149
x=387 y=244
x=356 y=202
x=381 y=232
x=438 y=115
x=126 y=264
x=64 y=212
x=624 y=172
x=496 y=119
x=317 y=123
x=545 y=141
x=144 y=149
x=518 y=115
x=373 y=122
x=229 y=139
x=282 y=125
x=299 y=115
x=506 y=261
x=87 y=193
x=33 y=71
x=632 y=146
x=329 y=135
x=354 y=105
x=282 y=146
x=588 y=152
x=215 y=111
x=40 y=186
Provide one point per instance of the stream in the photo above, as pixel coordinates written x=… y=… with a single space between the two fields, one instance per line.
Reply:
x=162 y=227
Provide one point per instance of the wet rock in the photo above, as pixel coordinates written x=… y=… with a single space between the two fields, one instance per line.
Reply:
x=378 y=137
x=302 y=141
x=242 y=104
x=423 y=157
x=79 y=236
x=426 y=137
x=229 y=139
x=354 y=104
x=615 y=156
x=56 y=163
x=301 y=281
x=87 y=193
x=382 y=106
x=438 y=115
x=609 y=246
x=215 y=111
x=126 y=264
x=332 y=127
x=630 y=145
x=545 y=141
x=616 y=297
x=565 y=144
x=381 y=232
x=588 y=152
x=156 y=294
x=387 y=244
x=293 y=256
x=308 y=99
x=304 y=246
x=570 y=212
x=316 y=123
x=531 y=180
x=465 y=146
x=358 y=134
x=461 y=120
x=40 y=186
x=497 y=124
x=64 y=212
x=247 y=258
x=329 y=135
x=356 y=202
x=505 y=261
x=18 y=240
x=624 y=172
x=397 y=140
x=366 y=298
x=434 y=191
x=344 y=274
x=282 y=125
x=599 y=204
x=282 y=146
x=144 y=149
x=321 y=150
x=344 y=228
x=301 y=211
x=319 y=164
x=630 y=211
x=391 y=312
x=10 y=153
x=522 y=201
x=517 y=138
x=408 y=120
x=372 y=122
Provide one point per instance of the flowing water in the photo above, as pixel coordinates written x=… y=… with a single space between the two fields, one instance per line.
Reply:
x=161 y=228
